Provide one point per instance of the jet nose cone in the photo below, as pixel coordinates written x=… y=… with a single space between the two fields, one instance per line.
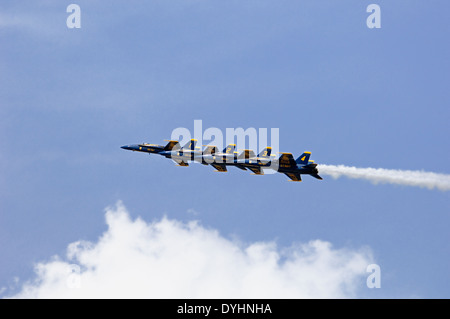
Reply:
x=126 y=147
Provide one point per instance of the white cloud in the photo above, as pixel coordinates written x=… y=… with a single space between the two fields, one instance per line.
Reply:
x=170 y=259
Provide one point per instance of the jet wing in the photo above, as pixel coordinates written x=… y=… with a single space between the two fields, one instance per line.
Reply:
x=294 y=176
x=256 y=170
x=219 y=167
x=287 y=160
x=210 y=150
x=246 y=154
x=171 y=145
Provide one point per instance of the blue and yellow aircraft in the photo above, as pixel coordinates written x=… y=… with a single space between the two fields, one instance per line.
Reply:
x=294 y=168
x=229 y=157
x=220 y=160
x=180 y=155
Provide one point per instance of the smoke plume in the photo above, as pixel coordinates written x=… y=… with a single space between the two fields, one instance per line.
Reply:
x=429 y=180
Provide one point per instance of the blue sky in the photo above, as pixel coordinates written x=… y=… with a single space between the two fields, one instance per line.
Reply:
x=69 y=98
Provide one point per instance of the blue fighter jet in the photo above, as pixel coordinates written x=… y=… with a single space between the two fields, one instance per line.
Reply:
x=180 y=155
x=284 y=164
x=294 y=168
x=220 y=160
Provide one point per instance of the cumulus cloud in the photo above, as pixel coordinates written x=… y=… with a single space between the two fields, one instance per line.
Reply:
x=170 y=259
x=428 y=180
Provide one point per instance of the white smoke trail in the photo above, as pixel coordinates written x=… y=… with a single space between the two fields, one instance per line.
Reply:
x=429 y=180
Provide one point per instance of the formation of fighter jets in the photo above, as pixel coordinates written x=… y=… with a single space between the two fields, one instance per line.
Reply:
x=247 y=160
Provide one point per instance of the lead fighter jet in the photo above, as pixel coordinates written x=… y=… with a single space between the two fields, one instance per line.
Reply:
x=180 y=155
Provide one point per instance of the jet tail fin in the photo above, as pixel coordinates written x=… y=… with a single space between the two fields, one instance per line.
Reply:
x=265 y=153
x=303 y=159
x=229 y=149
x=190 y=145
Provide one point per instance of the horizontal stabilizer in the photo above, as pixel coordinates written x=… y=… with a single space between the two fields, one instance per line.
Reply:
x=294 y=177
x=219 y=167
x=181 y=163
x=256 y=170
